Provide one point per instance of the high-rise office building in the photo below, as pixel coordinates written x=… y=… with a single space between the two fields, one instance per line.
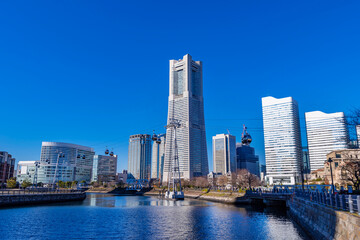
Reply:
x=71 y=162
x=283 y=152
x=246 y=159
x=325 y=133
x=139 y=157
x=224 y=153
x=7 y=165
x=186 y=104
x=158 y=157
x=104 y=168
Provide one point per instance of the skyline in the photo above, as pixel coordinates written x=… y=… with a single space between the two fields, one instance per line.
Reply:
x=252 y=51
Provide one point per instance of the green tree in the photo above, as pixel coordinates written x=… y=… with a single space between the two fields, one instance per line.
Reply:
x=61 y=184
x=26 y=183
x=11 y=183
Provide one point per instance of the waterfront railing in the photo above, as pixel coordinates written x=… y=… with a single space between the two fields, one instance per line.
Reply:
x=11 y=192
x=343 y=202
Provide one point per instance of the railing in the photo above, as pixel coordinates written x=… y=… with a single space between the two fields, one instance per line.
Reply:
x=11 y=192
x=343 y=202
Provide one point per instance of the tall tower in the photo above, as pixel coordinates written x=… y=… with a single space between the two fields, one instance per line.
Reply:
x=186 y=104
x=224 y=153
x=325 y=133
x=283 y=152
x=139 y=157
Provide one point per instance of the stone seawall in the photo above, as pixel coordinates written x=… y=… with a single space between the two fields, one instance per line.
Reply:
x=322 y=222
x=28 y=199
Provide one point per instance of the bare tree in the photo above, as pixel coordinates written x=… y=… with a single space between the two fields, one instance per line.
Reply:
x=247 y=179
x=351 y=172
x=222 y=180
x=201 y=182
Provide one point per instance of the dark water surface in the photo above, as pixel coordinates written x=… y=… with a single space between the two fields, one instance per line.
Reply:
x=103 y=216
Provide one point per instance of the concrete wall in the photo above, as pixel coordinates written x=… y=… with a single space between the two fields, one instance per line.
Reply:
x=323 y=222
x=26 y=199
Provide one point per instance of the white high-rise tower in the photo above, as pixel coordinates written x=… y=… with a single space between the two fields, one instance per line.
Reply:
x=186 y=105
x=283 y=153
x=325 y=133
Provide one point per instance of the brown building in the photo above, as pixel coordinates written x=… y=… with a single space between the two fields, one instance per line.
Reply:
x=7 y=165
x=340 y=165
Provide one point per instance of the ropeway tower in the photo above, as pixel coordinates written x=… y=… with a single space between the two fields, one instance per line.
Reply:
x=174 y=182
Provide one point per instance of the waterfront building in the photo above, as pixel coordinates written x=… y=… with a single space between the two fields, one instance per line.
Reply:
x=283 y=153
x=246 y=158
x=25 y=171
x=224 y=153
x=306 y=160
x=139 y=157
x=71 y=162
x=122 y=177
x=7 y=166
x=186 y=104
x=262 y=172
x=158 y=157
x=325 y=133
x=340 y=158
x=104 y=168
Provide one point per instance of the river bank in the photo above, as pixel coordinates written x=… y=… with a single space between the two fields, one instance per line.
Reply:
x=213 y=196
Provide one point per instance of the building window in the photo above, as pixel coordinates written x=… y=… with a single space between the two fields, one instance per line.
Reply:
x=338 y=155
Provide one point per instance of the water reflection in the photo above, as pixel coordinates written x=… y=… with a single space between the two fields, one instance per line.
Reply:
x=103 y=216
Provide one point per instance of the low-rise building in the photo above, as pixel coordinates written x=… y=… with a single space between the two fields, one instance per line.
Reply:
x=344 y=165
x=104 y=168
x=25 y=171
x=7 y=167
x=122 y=177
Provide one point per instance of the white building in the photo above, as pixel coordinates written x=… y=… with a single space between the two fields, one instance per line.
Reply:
x=224 y=153
x=25 y=171
x=325 y=133
x=186 y=105
x=158 y=157
x=283 y=153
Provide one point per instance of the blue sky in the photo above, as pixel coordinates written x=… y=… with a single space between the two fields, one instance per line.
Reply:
x=95 y=72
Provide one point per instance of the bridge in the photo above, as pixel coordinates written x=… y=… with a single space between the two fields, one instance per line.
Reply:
x=137 y=184
x=320 y=194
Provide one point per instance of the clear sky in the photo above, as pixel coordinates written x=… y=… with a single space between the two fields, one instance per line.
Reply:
x=94 y=72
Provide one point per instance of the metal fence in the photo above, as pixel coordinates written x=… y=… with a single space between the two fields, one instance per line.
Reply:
x=343 y=202
x=12 y=192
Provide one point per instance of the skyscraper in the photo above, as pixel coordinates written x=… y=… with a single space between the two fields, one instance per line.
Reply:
x=325 y=133
x=224 y=153
x=246 y=159
x=186 y=105
x=283 y=153
x=158 y=156
x=139 y=157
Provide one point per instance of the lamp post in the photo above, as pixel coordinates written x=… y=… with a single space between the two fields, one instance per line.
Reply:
x=332 y=180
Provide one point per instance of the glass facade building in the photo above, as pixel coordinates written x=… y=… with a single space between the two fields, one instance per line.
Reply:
x=224 y=154
x=25 y=171
x=283 y=151
x=325 y=133
x=246 y=159
x=7 y=166
x=139 y=156
x=104 y=168
x=75 y=164
x=158 y=157
x=186 y=104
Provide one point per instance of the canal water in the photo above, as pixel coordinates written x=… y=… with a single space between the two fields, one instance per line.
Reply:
x=103 y=216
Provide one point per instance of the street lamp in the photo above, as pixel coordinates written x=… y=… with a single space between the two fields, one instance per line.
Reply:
x=332 y=180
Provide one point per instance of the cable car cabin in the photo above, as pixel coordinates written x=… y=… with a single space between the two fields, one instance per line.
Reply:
x=78 y=156
x=107 y=151
x=154 y=137
x=83 y=157
x=158 y=141
x=112 y=154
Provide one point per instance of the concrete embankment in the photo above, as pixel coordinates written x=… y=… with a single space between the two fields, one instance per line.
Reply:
x=323 y=222
x=39 y=198
x=227 y=197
